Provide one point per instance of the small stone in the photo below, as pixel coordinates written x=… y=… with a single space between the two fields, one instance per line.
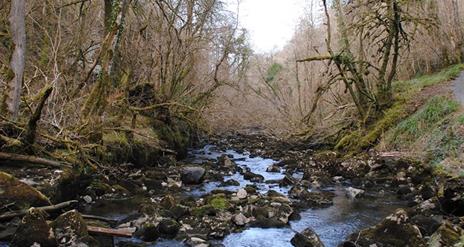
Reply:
x=242 y=194
x=87 y=199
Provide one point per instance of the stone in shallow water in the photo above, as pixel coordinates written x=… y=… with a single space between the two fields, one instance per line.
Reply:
x=307 y=238
x=354 y=193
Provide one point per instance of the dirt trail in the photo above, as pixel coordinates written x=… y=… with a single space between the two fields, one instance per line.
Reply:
x=458 y=88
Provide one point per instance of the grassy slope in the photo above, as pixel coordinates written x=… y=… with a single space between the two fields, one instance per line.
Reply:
x=425 y=119
x=436 y=130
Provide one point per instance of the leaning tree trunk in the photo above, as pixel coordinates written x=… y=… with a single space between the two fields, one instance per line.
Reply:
x=18 y=32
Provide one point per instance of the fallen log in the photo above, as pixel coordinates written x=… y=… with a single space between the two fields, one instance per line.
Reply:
x=51 y=208
x=121 y=232
x=33 y=160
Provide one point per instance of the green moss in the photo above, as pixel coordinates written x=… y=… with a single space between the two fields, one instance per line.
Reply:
x=362 y=139
x=219 y=202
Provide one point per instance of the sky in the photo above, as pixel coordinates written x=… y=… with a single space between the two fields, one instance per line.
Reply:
x=271 y=23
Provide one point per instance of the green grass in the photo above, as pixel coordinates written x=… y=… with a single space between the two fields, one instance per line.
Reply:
x=420 y=123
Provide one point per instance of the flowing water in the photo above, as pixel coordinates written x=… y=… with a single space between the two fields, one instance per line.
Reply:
x=332 y=224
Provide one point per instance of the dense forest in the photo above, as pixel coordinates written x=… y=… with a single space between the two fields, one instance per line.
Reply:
x=156 y=123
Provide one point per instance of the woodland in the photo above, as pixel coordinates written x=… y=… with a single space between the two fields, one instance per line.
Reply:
x=156 y=123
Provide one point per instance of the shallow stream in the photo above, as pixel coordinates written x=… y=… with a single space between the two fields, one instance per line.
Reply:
x=333 y=224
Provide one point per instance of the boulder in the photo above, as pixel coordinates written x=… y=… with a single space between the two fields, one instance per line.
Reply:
x=193 y=175
x=307 y=238
x=168 y=228
x=34 y=229
x=71 y=230
x=394 y=230
x=14 y=191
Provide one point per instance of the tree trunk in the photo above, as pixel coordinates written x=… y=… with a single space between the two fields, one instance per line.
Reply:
x=18 y=31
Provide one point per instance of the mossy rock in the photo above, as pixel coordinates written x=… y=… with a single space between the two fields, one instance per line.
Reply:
x=446 y=235
x=118 y=149
x=34 y=229
x=219 y=202
x=72 y=183
x=71 y=230
x=14 y=191
x=177 y=135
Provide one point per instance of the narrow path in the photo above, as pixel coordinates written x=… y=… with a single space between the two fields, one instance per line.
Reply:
x=458 y=88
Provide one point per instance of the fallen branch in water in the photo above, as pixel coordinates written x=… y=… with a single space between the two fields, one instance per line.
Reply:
x=122 y=232
x=33 y=160
x=51 y=208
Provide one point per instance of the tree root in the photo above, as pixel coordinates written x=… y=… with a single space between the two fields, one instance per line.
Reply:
x=33 y=160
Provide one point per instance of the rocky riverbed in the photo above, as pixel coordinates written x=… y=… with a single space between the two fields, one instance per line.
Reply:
x=241 y=191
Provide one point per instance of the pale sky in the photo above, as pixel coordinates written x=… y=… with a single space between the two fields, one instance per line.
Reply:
x=271 y=23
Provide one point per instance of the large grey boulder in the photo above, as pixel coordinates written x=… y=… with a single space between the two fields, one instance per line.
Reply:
x=193 y=175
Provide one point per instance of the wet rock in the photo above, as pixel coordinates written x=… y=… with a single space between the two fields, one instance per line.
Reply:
x=288 y=181
x=71 y=230
x=193 y=175
x=240 y=219
x=446 y=235
x=427 y=224
x=34 y=229
x=226 y=162
x=394 y=230
x=230 y=182
x=273 y=169
x=253 y=177
x=354 y=193
x=242 y=194
x=307 y=238
x=22 y=195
